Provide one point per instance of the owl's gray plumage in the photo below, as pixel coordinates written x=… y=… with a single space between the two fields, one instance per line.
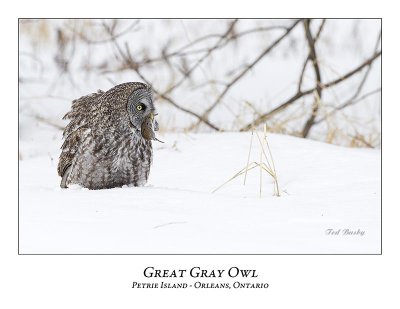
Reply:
x=107 y=143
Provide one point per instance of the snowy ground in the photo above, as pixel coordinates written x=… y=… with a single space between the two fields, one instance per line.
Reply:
x=324 y=187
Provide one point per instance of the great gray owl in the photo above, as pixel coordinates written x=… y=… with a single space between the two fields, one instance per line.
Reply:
x=108 y=140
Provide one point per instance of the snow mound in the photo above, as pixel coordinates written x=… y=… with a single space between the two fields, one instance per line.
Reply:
x=326 y=191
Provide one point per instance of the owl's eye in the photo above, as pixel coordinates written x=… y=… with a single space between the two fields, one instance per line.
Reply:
x=140 y=107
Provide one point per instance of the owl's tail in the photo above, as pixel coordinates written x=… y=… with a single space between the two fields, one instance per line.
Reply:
x=63 y=183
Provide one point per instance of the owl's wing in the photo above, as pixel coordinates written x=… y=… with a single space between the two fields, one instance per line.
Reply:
x=80 y=112
x=69 y=149
x=79 y=124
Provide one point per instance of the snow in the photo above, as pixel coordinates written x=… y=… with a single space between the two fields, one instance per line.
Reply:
x=323 y=187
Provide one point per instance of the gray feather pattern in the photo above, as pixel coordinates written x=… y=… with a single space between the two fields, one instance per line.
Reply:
x=101 y=148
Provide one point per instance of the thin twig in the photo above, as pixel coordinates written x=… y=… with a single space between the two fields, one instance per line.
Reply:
x=248 y=157
x=347 y=104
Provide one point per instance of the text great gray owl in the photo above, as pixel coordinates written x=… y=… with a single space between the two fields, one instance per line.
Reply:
x=107 y=143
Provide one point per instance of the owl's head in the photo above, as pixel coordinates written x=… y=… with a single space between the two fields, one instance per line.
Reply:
x=142 y=112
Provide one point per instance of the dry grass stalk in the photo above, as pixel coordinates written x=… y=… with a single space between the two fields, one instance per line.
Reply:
x=268 y=166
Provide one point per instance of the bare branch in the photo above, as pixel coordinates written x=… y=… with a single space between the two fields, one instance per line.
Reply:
x=112 y=33
x=361 y=85
x=303 y=70
x=353 y=100
x=181 y=51
x=200 y=61
x=318 y=80
x=48 y=122
x=247 y=69
x=301 y=94
x=348 y=103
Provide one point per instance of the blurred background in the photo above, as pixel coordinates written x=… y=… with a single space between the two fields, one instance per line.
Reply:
x=312 y=78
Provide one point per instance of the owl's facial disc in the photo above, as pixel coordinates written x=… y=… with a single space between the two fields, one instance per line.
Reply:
x=141 y=113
